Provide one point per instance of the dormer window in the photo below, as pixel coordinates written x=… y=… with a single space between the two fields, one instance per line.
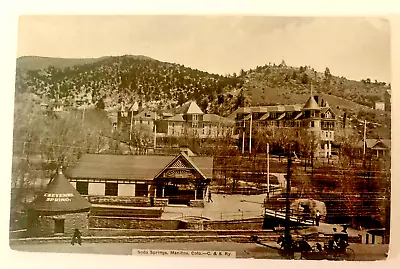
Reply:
x=195 y=117
x=328 y=115
x=312 y=113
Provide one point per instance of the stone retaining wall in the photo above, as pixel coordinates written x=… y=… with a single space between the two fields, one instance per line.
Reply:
x=127 y=201
x=134 y=223
x=186 y=232
x=248 y=224
x=196 y=203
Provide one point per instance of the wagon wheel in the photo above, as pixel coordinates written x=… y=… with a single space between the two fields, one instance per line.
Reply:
x=350 y=255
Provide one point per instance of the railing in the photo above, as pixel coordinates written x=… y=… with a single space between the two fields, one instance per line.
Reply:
x=295 y=217
x=240 y=215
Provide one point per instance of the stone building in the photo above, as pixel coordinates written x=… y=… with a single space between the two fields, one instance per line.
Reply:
x=58 y=210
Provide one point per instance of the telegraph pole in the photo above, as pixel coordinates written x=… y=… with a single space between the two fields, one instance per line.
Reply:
x=251 y=126
x=155 y=132
x=244 y=131
x=287 y=225
x=130 y=129
x=365 y=136
x=268 y=169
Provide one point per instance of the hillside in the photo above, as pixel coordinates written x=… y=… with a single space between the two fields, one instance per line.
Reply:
x=277 y=83
x=281 y=84
x=161 y=85
x=128 y=78
x=37 y=62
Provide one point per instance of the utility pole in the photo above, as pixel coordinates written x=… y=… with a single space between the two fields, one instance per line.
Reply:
x=287 y=217
x=268 y=169
x=155 y=132
x=251 y=127
x=365 y=135
x=130 y=129
x=244 y=131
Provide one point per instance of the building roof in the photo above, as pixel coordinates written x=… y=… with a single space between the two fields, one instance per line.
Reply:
x=145 y=115
x=60 y=197
x=311 y=104
x=265 y=109
x=372 y=143
x=178 y=117
x=130 y=167
x=189 y=107
x=217 y=119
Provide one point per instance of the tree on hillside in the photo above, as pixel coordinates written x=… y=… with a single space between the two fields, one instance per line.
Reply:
x=304 y=79
x=327 y=73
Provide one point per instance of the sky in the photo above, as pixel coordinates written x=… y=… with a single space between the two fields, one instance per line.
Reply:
x=354 y=47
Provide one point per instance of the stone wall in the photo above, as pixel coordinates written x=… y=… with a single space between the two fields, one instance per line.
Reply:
x=43 y=225
x=196 y=203
x=135 y=223
x=127 y=200
x=249 y=224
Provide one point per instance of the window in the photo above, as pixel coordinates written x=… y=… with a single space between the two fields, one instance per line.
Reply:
x=59 y=226
x=142 y=190
x=111 y=189
x=312 y=113
x=194 y=124
x=273 y=115
x=82 y=187
x=289 y=114
x=312 y=123
x=195 y=117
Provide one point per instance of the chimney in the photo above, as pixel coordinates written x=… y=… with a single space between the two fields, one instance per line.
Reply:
x=322 y=102
x=316 y=98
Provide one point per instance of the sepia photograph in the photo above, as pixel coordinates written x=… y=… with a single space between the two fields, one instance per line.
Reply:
x=204 y=136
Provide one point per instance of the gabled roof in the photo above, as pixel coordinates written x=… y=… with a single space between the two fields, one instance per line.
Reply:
x=217 y=119
x=145 y=115
x=186 y=158
x=129 y=167
x=178 y=117
x=311 y=104
x=325 y=109
x=189 y=107
x=60 y=197
x=371 y=143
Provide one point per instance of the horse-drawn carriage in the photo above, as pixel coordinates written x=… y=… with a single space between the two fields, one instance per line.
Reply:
x=337 y=248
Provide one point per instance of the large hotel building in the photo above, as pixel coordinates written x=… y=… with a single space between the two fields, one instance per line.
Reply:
x=318 y=119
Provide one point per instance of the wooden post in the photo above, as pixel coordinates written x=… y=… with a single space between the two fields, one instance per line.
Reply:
x=268 y=169
x=163 y=191
x=287 y=217
x=251 y=126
